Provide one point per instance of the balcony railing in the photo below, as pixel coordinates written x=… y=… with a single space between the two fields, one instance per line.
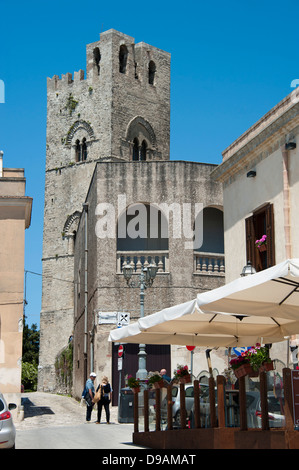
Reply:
x=209 y=263
x=140 y=259
x=204 y=263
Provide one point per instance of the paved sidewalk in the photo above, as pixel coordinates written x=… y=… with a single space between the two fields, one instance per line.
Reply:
x=47 y=409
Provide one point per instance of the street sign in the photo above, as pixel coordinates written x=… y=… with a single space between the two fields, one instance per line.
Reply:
x=123 y=319
x=115 y=318
x=190 y=348
x=120 y=350
x=119 y=363
x=239 y=351
x=106 y=318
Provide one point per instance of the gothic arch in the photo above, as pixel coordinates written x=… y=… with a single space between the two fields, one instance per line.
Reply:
x=139 y=127
x=79 y=125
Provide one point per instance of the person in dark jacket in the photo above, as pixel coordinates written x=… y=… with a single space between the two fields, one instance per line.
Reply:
x=89 y=394
x=106 y=394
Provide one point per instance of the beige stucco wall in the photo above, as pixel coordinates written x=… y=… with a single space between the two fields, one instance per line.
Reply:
x=15 y=212
x=252 y=193
x=262 y=148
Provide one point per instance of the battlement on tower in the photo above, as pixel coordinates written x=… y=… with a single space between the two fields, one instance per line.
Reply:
x=115 y=51
x=56 y=83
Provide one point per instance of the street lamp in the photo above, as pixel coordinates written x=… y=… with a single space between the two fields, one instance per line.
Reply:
x=146 y=279
x=248 y=270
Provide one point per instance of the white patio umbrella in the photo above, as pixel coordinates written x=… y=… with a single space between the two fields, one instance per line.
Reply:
x=263 y=307
x=273 y=293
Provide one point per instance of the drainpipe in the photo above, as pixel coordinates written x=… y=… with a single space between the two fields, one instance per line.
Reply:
x=1 y=163
x=85 y=209
x=286 y=213
x=286 y=203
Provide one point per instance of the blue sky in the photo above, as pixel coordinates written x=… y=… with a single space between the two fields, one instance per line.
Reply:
x=231 y=62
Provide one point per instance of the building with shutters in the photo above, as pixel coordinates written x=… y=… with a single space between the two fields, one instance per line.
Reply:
x=260 y=178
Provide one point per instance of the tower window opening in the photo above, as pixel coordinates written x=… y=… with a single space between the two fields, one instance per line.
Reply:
x=97 y=58
x=135 y=150
x=143 y=151
x=151 y=72
x=123 y=56
x=139 y=151
x=84 y=149
x=78 y=151
x=81 y=150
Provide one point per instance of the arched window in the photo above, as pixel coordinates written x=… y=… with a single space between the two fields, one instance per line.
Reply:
x=123 y=56
x=143 y=151
x=151 y=72
x=135 y=150
x=78 y=151
x=81 y=150
x=146 y=229
x=97 y=59
x=212 y=231
x=84 y=149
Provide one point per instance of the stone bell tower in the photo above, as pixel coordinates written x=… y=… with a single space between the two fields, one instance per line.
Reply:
x=119 y=111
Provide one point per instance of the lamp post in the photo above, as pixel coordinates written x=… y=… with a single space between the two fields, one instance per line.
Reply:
x=146 y=279
x=248 y=269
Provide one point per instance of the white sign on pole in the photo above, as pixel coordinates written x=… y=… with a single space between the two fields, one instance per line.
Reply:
x=123 y=318
x=106 y=318
x=120 y=363
x=114 y=318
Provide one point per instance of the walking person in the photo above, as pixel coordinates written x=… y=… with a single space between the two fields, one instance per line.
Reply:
x=89 y=394
x=106 y=394
x=163 y=373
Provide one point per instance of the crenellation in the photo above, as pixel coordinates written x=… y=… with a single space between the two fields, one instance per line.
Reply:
x=79 y=76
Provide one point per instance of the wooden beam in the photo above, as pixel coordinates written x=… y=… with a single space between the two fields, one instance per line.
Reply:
x=242 y=404
x=182 y=406
x=264 y=401
x=212 y=402
x=221 y=400
x=169 y=407
x=196 y=404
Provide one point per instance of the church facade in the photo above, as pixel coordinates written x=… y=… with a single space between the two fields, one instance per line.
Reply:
x=113 y=196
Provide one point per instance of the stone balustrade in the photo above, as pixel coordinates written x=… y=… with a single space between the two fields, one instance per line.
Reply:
x=209 y=263
x=204 y=263
x=140 y=259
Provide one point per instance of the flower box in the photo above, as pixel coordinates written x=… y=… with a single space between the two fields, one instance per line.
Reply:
x=245 y=369
x=159 y=384
x=266 y=366
x=135 y=390
x=185 y=379
x=262 y=248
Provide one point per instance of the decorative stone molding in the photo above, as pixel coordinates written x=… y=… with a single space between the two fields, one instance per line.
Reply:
x=72 y=219
x=79 y=125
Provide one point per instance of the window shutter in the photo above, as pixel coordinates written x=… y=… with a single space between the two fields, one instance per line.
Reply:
x=270 y=236
x=250 y=241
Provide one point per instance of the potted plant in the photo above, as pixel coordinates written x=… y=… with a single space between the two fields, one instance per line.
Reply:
x=182 y=374
x=134 y=384
x=259 y=358
x=261 y=244
x=155 y=380
x=241 y=365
